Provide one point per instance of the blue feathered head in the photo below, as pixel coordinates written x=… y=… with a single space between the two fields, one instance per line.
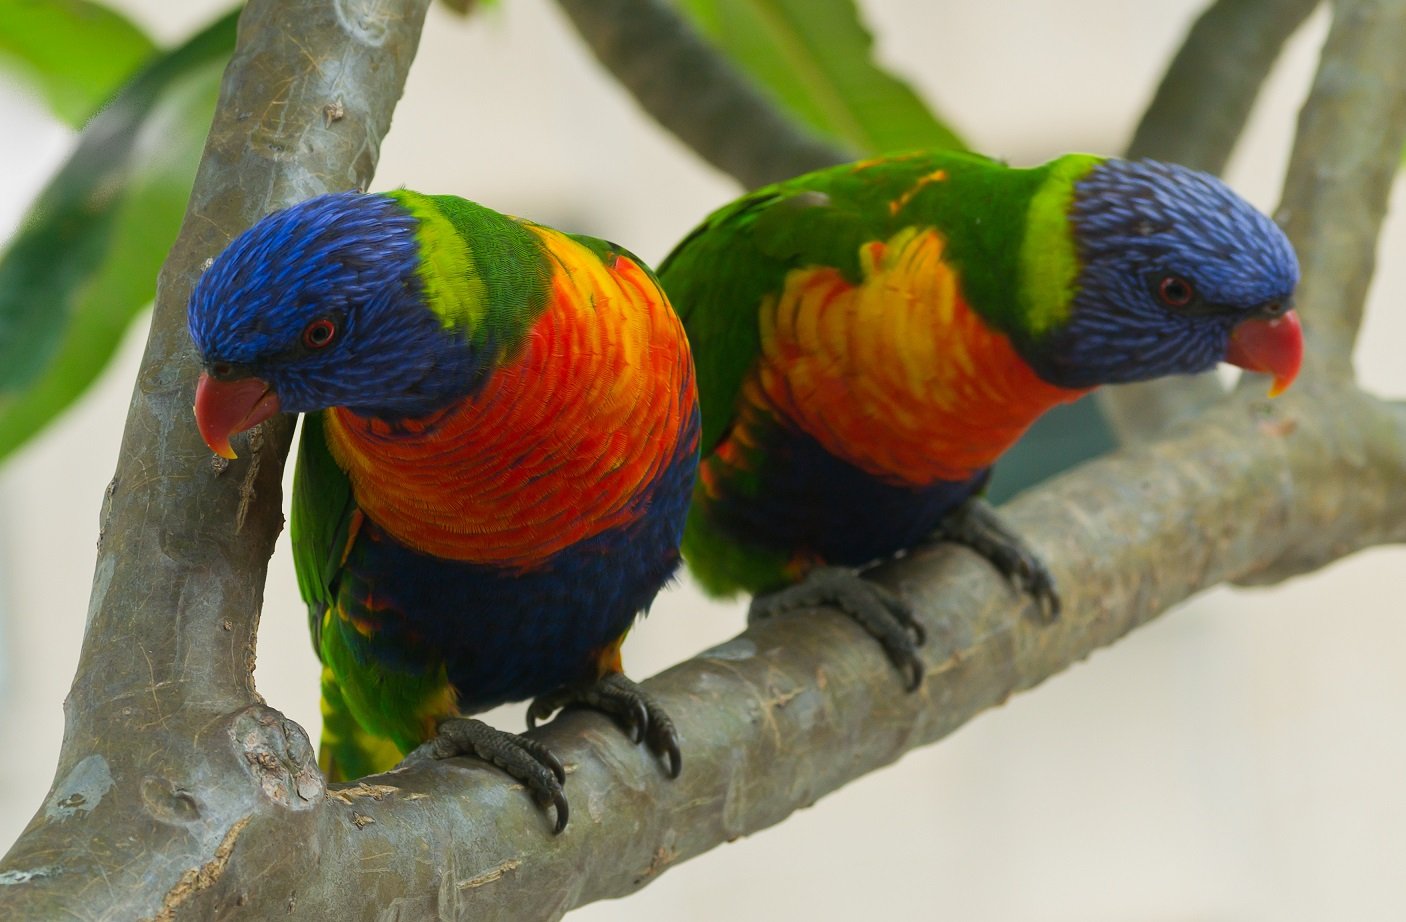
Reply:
x=1177 y=273
x=315 y=306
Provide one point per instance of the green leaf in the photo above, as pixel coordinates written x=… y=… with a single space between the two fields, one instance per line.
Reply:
x=76 y=53
x=816 y=58
x=86 y=260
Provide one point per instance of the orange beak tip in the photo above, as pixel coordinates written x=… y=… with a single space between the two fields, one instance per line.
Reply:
x=220 y=447
x=1273 y=346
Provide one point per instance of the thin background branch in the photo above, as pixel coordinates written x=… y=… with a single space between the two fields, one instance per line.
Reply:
x=1205 y=97
x=696 y=93
x=1350 y=138
x=1196 y=118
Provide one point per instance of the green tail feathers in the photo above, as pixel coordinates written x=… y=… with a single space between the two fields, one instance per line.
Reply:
x=347 y=751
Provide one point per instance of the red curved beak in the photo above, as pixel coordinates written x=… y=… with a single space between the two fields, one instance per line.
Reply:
x=223 y=408
x=1271 y=346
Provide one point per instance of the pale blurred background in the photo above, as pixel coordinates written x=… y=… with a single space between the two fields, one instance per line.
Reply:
x=1241 y=759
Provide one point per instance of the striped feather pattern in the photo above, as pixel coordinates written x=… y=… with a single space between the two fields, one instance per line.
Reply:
x=895 y=375
x=558 y=444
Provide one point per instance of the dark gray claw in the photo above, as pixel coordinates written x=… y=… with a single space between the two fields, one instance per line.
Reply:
x=526 y=760
x=632 y=707
x=880 y=611
x=978 y=526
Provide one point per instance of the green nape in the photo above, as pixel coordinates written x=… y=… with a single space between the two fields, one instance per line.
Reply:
x=999 y=223
x=485 y=274
x=1049 y=260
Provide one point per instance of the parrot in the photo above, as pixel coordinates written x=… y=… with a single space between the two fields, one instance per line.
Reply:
x=499 y=441
x=870 y=338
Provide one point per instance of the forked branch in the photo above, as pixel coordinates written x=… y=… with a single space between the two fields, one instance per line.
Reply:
x=179 y=795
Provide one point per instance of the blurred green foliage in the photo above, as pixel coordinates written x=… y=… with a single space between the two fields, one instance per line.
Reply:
x=74 y=53
x=85 y=261
x=816 y=58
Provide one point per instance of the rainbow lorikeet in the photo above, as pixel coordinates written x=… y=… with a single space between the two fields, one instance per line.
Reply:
x=870 y=338
x=499 y=441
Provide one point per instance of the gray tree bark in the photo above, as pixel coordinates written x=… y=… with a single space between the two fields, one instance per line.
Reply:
x=180 y=794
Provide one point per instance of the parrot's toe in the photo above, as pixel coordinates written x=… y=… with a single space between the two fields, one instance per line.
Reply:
x=633 y=708
x=978 y=526
x=879 y=610
x=526 y=760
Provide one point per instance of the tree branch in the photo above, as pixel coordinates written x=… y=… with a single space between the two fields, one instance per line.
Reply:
x=695 y=93
x=1195 y=118
x=167 y=744
x=179 y=795
x=1347 y=152
x=798 y=706
x=1205 y=97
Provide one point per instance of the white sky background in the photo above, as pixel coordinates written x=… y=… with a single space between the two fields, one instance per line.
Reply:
x=1241 y=759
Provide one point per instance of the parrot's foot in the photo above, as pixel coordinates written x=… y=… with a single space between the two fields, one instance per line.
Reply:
x=978 y=526
x=526 y=760
x=880 y=611
x=631 y=706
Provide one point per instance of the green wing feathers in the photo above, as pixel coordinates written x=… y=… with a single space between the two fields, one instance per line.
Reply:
x=822 y=219
x=320 y=523
x=356 y=693
x=347 y=751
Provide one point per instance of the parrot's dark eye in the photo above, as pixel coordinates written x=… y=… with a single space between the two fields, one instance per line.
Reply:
x=1175 y=291
x=319 y=333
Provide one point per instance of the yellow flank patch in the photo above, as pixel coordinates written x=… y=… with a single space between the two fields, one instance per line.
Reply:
x=328 y=678
x=608 y=657
x=363 y=626
x=453 y=288
x=896 y=375
x=377 y=752
x=441 y=703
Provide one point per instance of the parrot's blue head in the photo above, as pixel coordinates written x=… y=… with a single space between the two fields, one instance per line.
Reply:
x=1176 y=274
x=315 y=306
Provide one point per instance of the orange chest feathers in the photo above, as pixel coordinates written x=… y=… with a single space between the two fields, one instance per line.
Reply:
x=561 y=443
x=896 y=375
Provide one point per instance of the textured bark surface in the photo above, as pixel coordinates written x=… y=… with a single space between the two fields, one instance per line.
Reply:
x=171 y=764
x=180 y=795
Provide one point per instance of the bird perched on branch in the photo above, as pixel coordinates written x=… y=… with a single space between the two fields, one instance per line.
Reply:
x=871 y=338
x=499 y=441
